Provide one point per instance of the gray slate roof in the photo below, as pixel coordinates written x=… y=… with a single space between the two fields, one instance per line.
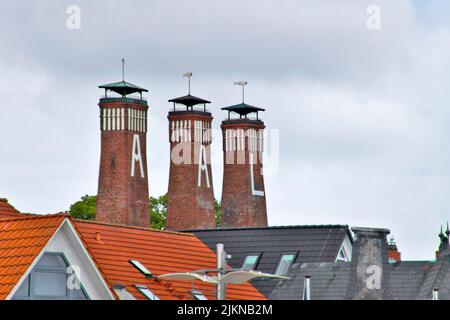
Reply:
x=312 y=244
x=405 y=280
x=330 y=281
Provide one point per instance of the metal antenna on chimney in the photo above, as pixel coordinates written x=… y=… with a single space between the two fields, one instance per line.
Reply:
x=123 y=69
x=188 y=75
x=243 y=84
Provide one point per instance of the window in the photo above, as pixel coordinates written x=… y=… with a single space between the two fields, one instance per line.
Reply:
x=285 y=262
x=341 y=255
x=146 y=292
x=48 y=280
x=198 y=295
x=250 y=262
x=141 y=268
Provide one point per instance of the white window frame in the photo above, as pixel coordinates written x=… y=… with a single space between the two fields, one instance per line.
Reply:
x=294 y=257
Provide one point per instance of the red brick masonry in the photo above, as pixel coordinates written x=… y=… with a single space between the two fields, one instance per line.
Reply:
x=122 y=194
x=243 y=205
x=190 y=205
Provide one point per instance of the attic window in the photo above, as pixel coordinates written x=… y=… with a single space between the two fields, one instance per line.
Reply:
x=198 y=295
x=141 y=268
x=342 y=255
x=285 y=263
x=146 y=292
x=49 y=281
x=250 y=262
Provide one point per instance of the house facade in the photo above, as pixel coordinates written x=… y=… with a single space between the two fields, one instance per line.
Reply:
x=57 y=257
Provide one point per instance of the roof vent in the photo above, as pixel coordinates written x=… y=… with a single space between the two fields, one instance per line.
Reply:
x=435 y=294
x=307 y=288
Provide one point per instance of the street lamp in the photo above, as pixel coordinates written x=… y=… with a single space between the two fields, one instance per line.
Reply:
x=223 y=275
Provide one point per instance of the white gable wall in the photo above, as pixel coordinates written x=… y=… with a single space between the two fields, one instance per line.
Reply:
x=66 y=241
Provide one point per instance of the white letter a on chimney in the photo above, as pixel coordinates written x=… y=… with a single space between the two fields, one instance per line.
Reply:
x=136 y=156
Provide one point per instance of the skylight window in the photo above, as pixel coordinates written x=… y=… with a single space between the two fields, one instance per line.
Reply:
x=146 y=292
x=284 y=264
x=198 y=295
x=250 y=262
x=141 y=268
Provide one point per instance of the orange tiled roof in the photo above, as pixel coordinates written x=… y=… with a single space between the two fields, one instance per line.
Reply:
x=7 y=210
x=161 y=252
x=21 y=240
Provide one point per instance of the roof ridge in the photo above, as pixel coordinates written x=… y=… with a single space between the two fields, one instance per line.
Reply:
x=34 y=216
x=273 y=227
x=134 y=227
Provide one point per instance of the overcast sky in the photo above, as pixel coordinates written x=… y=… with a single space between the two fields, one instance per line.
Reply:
x=363 y=115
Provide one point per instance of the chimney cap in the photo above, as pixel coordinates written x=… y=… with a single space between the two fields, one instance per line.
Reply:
x=359 y=230
x=189 y=100
x=243 y=109
x=123 y=88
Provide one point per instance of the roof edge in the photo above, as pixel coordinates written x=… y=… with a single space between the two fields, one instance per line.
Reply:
x=318 y=226
x=134 y=227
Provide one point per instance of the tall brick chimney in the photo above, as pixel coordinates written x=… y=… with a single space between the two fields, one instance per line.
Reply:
x=190 y=196
x=123 y=185
x=243 y=194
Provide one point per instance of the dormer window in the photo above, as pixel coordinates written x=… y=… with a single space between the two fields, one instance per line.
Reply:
x=342 y=255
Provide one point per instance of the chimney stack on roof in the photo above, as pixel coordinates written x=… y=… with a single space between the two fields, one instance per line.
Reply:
x=393 y=253
x=123 y=196
x=243 y=194
x=369 y=272
x=190 y=203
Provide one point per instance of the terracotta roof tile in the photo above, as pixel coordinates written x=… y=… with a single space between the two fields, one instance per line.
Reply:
x=21 y=240
x=161 y=252
x=7 y=210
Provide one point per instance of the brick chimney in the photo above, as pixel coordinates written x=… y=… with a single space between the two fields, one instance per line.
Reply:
x=243 y=194
x=123 y=184
x=393 y=253
x=190 y=202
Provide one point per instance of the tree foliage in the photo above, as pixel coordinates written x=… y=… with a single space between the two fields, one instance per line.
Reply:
x=217 y=206
x=84 y=209
x=158 y=211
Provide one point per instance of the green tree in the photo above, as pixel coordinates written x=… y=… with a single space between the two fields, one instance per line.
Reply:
x=84 y=209
x=158 y=211
x=217 y=207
